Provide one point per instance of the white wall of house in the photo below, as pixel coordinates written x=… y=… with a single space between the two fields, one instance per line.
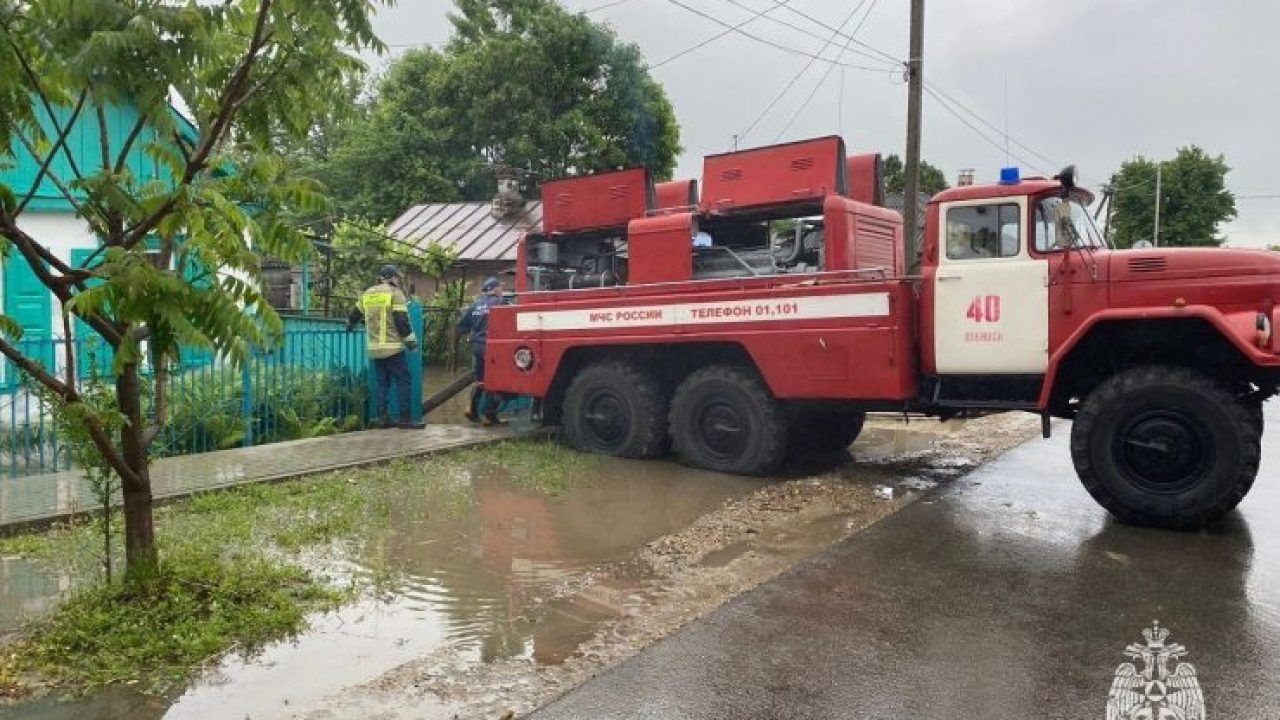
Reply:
x=61 y=233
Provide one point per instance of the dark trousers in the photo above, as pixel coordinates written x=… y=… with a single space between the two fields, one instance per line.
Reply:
x=482 y=403
x=394 y=369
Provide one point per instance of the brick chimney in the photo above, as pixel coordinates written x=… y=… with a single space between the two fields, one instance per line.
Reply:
x=508 y=201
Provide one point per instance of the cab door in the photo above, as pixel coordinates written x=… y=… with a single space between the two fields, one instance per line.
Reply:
x=991 y=299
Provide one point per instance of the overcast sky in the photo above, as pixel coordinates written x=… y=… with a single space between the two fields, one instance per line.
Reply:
x=1090 y=82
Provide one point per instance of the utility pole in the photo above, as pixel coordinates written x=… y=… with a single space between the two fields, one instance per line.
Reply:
x=911 y=184
x=1155 y=236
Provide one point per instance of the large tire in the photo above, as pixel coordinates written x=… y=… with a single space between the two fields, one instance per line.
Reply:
x=614 y=408
x=824 y=432
x=724 y=418
x=1166 y=447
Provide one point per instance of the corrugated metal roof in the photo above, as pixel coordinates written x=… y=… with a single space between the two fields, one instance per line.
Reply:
x=469 y=229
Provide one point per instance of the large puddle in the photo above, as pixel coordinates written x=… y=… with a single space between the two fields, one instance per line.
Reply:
x=485 y=585
x=500 y=580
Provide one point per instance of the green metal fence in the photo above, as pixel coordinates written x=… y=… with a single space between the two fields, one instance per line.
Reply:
x=315 y=383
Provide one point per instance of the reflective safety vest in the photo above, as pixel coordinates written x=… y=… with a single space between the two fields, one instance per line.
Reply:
x=380 y=304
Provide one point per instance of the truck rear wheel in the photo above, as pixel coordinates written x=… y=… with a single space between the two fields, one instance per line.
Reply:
x=1166 y=447
x=724 y=418
x=616 y=409
x=824 y=432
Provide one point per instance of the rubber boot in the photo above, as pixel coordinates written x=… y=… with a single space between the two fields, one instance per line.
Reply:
x=473 y=410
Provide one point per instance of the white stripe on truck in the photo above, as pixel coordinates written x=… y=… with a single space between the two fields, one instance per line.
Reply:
x=815 y=307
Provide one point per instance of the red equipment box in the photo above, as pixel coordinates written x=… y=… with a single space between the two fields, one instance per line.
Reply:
x=594 y=202
x=804 y=171
x=677 y=194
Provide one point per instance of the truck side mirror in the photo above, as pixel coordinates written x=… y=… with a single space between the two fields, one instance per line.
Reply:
x=1067 y=176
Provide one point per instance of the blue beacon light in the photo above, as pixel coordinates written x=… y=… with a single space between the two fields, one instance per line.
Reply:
x=1009 y=176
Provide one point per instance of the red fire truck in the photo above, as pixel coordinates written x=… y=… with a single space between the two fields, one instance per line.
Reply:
x=766 y=314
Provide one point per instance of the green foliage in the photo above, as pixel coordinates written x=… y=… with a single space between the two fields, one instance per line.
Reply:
x=230 y=578
x=361 y=247
x=159 y=634
x=523 y=83
x=547 y=467
x=251 y=72
x=1194 y=201
x=441 y=319
x=97 y=398
x=10 y=687
x=932 y=180
x=227 y=207
x=208 y=413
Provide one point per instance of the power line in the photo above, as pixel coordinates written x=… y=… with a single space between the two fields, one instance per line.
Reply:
x=605 y=6
x=765 y=41
x=824 y=76
x=776 y=4
x=809 y=34
x=839 y=33
x=1031 y=151
x=796 y=78
x=994 y=143
x=827 y=74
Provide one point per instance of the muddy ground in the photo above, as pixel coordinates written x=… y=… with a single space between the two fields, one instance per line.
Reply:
x=595 y=617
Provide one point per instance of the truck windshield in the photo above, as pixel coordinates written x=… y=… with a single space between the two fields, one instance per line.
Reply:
x=1080 y=231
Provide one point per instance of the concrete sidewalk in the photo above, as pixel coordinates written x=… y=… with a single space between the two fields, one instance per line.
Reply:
x=53 y=496
x=1007 y=595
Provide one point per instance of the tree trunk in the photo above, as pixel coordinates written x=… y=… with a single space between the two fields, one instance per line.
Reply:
x=139 y=529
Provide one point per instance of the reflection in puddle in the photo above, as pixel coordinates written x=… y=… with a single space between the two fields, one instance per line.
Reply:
x=881 y=441
x=483 y=585
x=503 y=578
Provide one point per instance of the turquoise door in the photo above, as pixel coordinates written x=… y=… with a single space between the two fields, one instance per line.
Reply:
x=191 y=357
x=93 y=355
x=28 y=302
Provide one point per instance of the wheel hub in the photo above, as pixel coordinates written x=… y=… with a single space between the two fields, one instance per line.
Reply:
x=607 y=418
x=1164 y=451
x=723 y=429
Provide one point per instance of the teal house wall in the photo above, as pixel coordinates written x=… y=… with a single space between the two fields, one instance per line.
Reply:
x=50 y=218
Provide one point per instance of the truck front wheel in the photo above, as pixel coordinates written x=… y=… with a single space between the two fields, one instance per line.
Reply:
x=1166 y=447
x=724 y=418
x=615 y=408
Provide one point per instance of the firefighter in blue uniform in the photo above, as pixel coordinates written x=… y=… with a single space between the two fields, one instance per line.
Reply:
x=475 y=323
x=384 y=309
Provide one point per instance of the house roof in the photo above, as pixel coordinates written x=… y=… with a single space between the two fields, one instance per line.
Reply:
x=469 y=229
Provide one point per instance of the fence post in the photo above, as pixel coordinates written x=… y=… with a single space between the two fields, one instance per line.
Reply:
x=246 y=401
x=416 y=370
x=305 y=300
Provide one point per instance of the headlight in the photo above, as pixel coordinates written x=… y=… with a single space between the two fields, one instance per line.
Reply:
x=1263 y=336
x=523 y=359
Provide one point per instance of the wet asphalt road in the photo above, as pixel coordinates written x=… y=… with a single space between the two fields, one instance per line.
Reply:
x=1009 y=594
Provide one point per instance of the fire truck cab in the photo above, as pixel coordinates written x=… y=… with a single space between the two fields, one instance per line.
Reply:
x=762 y=312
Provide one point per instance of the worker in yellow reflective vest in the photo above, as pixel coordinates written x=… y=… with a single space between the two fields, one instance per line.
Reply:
x=385 y=312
